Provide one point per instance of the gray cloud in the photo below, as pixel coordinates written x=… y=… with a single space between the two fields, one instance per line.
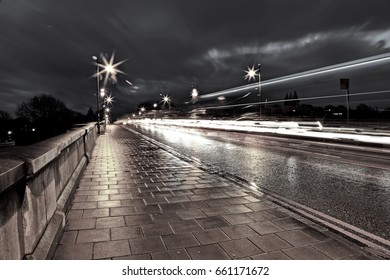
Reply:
x=47 y=46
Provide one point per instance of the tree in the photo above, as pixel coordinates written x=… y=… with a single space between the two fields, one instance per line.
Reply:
x=6 y=123
x=48 y=115
x=91 y=116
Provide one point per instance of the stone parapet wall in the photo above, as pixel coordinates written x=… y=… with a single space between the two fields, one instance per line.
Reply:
x=36 y=184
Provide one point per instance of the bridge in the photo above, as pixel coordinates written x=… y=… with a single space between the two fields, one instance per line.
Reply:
x=126 y=195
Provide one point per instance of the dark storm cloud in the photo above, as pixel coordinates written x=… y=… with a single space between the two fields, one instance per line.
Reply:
x=47 y=46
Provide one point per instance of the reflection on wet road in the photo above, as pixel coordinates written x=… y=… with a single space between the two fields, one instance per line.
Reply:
x=352 y=190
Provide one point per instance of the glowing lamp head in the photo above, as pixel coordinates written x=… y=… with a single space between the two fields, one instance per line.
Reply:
x=194 y=93
x=251 y=73
x=166 y=99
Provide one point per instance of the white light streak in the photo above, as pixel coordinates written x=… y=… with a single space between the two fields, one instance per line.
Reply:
x=319 y=71
x=298 y=99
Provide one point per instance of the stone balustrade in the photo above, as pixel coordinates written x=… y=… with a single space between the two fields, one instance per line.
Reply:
x=36 y=185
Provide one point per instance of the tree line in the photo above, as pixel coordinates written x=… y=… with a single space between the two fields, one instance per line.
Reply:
x=40 y=118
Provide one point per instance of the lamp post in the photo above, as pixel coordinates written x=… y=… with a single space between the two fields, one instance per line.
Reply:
x=97 y=93
x=109 y=68
x=251 y=73
x=166 y=100
x=194 y=95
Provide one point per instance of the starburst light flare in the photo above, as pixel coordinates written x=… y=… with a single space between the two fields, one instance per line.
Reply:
x=109 y=99
x=251 y=73
x=166 y=99
x=109 y=68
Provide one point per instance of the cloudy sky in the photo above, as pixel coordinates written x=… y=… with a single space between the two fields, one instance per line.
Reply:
x=46 y=46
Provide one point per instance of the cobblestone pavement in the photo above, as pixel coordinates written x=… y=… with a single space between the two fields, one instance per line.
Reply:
x=137 y=201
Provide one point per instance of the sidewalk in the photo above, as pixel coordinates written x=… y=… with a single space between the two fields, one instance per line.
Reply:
x=137 y=201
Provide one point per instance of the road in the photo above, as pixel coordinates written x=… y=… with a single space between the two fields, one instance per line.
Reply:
x=353 y=187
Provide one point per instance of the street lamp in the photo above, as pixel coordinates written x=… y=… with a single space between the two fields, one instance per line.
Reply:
x=102 y=92
x=251 y=73
x=109 y=68
x=166 y=100
x=109 y=99
x=97 y=94
x=194 y=95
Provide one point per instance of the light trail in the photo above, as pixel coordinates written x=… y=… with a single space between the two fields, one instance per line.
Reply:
x=319 y=71
x=297 y=99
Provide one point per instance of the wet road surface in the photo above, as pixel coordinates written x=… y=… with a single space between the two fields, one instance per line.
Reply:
x=353 y=189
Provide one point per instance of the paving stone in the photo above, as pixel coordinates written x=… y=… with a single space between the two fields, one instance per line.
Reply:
x=108 y=204
x=102 y=197
x=198 y=197
x=240 y=248
x=269 y=242
x=252 y=198
x=109 y=222
x=69 y=237
x=109 y=191
x=185 y=226
x=118 y=233
x=96 y=213
x=276 y=255
x=239 y=231
x=75 y=214
x=147 y=209
x=93 y=235
x=155 y=200
x=182 y=240
x=289 y=223
x=96 y=192
x=210 y=236
x=278 y=213
x=110 y=249
x=207 y=252
x=238 y=200
x=214 y=211
x=134 y=257
x=321 y=236
x=81 y=198
x=305 y=253
x=136 y=220
x=121 y=196
x=84 y=205
x=266 y=227
x=219 y=195
x=178 y=254
x=146 y=245
x=171 y=207
x=156 y=229
x=132 y=202
x=261 y=216
x=76 y=224
x=261 y=205
x=188 y=214
x=334 y=249
x=217 y=202
x=74 y=252
x=212 y=222
x=163 y=218
x=163 y=194
x=236 y=219
x=194 y=204
x=237 y=209
x=123 y=211
x=178 y=199
x=236 y=193
x=297 y=237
